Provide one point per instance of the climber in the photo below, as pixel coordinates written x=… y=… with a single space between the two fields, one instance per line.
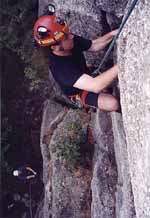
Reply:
x=68 y=65
x=25 y=173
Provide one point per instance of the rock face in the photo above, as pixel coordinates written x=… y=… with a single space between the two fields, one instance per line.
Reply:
x=118 y=185
x=105 y=170
x=134 y=77
x=124 y=196
x=67 y=163
x=71 y=196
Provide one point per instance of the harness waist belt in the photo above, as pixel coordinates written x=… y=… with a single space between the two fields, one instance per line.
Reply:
x=79 y=98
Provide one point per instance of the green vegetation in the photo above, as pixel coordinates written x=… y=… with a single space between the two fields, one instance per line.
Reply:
x=16 y=35
x=16 y=22
x=69 y=146
x=22 y=99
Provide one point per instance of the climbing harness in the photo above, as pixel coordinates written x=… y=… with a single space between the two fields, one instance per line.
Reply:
x=76 y=100
x=125 y=19
x=83 y=97
x=48 y=33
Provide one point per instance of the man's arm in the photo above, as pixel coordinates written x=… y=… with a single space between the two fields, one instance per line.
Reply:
x=101 y=42
x=30 y=177
x=30 y=169
x=97 y=84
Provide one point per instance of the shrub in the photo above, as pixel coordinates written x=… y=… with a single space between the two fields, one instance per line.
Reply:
x=68 y=146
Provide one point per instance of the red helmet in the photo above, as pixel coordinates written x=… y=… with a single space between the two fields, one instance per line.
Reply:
x=49 y=29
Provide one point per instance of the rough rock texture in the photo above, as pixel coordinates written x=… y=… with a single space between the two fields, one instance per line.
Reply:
x=134 y=77
x=104 y=172
x=51 y=110
x=67 y=189
x=121 y=163
x=71 y=195
x=124 y=196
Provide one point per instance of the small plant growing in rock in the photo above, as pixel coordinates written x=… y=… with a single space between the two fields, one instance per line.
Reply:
x=68 y=147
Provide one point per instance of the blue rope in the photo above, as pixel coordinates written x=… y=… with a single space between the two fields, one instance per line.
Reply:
x=116 y=36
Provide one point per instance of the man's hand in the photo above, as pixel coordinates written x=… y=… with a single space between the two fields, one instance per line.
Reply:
x=101 y=42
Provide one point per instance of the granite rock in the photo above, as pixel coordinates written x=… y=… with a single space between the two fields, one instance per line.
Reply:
x=134 y=77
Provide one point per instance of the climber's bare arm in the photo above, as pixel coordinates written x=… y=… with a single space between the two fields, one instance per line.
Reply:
x=30 y=177
x=97 y=84
x=30 y=169
x=101 y=42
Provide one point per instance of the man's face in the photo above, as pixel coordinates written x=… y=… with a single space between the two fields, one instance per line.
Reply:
x=68 y=43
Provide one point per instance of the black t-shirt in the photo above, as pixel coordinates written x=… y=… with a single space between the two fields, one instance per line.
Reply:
x=67 y=70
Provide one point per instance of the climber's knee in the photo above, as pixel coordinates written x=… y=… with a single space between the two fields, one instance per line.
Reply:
x=107 y=102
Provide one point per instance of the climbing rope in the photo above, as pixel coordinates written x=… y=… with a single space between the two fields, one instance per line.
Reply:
x=125 y=19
